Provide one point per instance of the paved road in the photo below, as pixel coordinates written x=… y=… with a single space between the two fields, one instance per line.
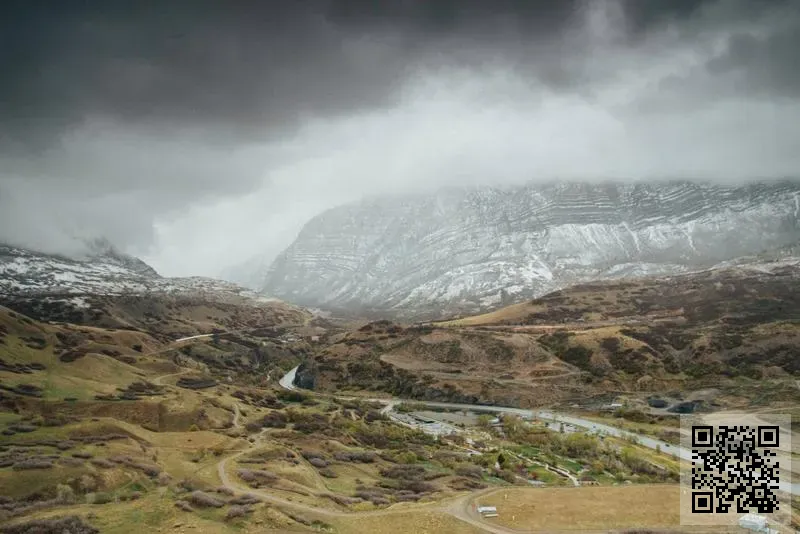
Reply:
x=597 y=428
x=287 y=380
x=192 y=337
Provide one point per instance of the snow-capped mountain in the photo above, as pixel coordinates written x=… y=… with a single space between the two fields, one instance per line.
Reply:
x=101 y=271
x=461 y=250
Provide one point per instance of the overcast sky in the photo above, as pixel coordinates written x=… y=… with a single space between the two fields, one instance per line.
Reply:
x=199 y=134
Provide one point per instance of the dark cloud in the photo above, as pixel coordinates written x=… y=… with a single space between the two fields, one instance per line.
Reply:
x=763 y=64
x=134 y=120
x=253 y=69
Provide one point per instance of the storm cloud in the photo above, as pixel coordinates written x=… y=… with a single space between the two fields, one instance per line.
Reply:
x=202 y=133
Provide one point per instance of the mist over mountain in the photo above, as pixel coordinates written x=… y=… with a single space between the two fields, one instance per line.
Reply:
x=207 y=133
x=466 y=249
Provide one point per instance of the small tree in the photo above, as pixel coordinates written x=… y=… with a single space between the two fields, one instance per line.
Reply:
x=485 y=421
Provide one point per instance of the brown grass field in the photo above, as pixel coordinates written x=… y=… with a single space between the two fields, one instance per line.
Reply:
x=586 y=508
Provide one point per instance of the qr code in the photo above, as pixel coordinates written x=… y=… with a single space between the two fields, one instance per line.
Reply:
x=735 y=468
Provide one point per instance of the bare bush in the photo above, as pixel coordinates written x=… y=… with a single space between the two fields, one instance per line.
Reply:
x=247 y=498
x=374 y=495
x=341 y=499
x=237 y=511
x=150 y=470
x=185 y=506
x=69 y=461
x=256 y=477
x=417 y=486
x=224 y=491
x=318 y=462
x=99 y=497
x=364 y=457
x=65 y=494
x=205 y=500
x=102 y=462
x=465 y=484
x=471 y=471
x=308 y=455
x=409 y=497
x=328 y=473
x=23 y=428
x=54 y=525
x=404 y=471
x=32 y=463
x=83 y=455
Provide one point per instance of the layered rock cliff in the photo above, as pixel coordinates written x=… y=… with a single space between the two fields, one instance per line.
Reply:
x=463 y=250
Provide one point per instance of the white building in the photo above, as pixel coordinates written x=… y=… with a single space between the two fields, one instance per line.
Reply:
x=756 y=523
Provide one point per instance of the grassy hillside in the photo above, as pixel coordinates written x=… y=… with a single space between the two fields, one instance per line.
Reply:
x=736 y=330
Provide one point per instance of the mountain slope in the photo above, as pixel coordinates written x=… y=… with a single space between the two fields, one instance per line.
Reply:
x=462 y=250
x=102 y=271
x=113 y=290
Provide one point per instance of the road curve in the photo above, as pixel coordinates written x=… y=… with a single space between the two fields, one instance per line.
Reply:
x=597 y=428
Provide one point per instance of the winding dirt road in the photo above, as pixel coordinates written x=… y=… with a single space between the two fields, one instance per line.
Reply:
x=459 y=507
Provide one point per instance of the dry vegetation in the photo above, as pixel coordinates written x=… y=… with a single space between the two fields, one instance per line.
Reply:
x=733 y=330
x=107 y=418
x=590 y=508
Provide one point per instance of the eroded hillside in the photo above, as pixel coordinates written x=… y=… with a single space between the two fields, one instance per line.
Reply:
x=735 y=329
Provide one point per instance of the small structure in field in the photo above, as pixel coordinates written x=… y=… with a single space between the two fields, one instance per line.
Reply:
x=487 y=511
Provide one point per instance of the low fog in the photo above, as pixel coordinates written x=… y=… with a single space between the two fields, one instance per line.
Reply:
x=200 y=135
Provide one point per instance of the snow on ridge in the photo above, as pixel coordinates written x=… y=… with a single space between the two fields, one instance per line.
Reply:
x=24 y=272
x=434 y=252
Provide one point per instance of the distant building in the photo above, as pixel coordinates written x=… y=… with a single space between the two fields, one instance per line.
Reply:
x=487 y=511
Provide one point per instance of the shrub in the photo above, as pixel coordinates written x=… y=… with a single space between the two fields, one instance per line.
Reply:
x=32 y=463
x=318 y=462
x=611 y=344
x=237 y=511
x=328 y=473
x=205 y=500
x=577 y=355
x=222 y=490
x=256 y=477
x=72 y=355
x=65 y=494
x=185 y=506
x=466 y=484
x=20 y=427
x=150 y=470
x=507 y=475
x=54 y=525
x=404 y=471
x=275 y=420
x=341 y=499
x=188 y=485
x=471 y=471
x=246 y=498
x=364 y=457
x=100 y=498
x=69 y=461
